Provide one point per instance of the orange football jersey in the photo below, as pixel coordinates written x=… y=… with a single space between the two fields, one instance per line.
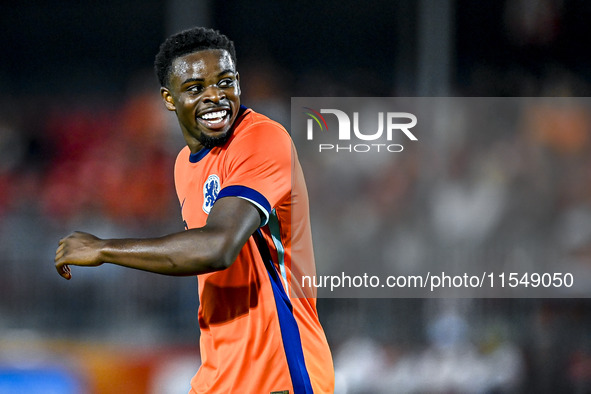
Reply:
x=259 y=332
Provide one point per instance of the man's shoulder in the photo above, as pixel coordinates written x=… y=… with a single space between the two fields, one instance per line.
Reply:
x=182 y=161
x=258 y=128
x=183 y=154
x=253 y=118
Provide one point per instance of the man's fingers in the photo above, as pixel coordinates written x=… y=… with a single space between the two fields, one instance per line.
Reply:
x=76 y=249
x=59 y=253
x=64 y=270
x=67 y=274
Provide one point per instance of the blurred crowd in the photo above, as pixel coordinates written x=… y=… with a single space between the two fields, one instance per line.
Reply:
x=75 y=157
x=506 y=187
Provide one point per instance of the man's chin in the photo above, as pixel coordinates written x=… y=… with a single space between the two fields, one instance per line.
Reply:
x=212 y=141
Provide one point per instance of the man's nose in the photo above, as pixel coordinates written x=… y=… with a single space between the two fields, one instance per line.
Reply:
x=213 y=93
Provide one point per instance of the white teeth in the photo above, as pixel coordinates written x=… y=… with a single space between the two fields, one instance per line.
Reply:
x=214 y=115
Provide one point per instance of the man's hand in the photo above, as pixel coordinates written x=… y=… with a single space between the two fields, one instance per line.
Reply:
x=77 y=249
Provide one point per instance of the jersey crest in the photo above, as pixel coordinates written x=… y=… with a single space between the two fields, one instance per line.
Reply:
x=211 y=188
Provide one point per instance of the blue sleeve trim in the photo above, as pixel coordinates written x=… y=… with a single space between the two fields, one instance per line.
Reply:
x=251 y=195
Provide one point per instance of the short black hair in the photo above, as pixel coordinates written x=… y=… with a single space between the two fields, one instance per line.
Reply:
x=185 y=42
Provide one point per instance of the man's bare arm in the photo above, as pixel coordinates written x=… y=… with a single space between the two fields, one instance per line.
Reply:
x=210 y=248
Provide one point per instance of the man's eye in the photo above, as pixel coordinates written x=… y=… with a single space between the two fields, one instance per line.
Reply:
x=195 y=88
x=226 y=83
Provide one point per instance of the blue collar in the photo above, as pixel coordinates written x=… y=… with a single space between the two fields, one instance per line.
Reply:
x=195 y=157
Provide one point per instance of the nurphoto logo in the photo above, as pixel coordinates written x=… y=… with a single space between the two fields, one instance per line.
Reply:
x=389 y=125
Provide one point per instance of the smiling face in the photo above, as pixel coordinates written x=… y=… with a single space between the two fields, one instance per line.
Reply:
x=204 y=92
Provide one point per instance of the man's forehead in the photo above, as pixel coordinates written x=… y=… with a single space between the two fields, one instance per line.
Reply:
x=200 y=62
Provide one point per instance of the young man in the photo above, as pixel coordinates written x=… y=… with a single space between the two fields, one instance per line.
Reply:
x=245 y=209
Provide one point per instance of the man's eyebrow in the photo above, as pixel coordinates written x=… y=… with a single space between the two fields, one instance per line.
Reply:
x=189 y=80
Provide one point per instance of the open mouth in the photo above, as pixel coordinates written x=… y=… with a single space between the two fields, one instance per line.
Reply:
x=215 y=119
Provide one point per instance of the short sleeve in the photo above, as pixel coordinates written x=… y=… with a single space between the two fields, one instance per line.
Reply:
x=258 y=166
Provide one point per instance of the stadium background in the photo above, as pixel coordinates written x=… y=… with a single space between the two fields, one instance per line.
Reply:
x=85 y=144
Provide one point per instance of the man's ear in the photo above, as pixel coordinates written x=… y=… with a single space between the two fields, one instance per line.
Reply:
x=168 y=99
